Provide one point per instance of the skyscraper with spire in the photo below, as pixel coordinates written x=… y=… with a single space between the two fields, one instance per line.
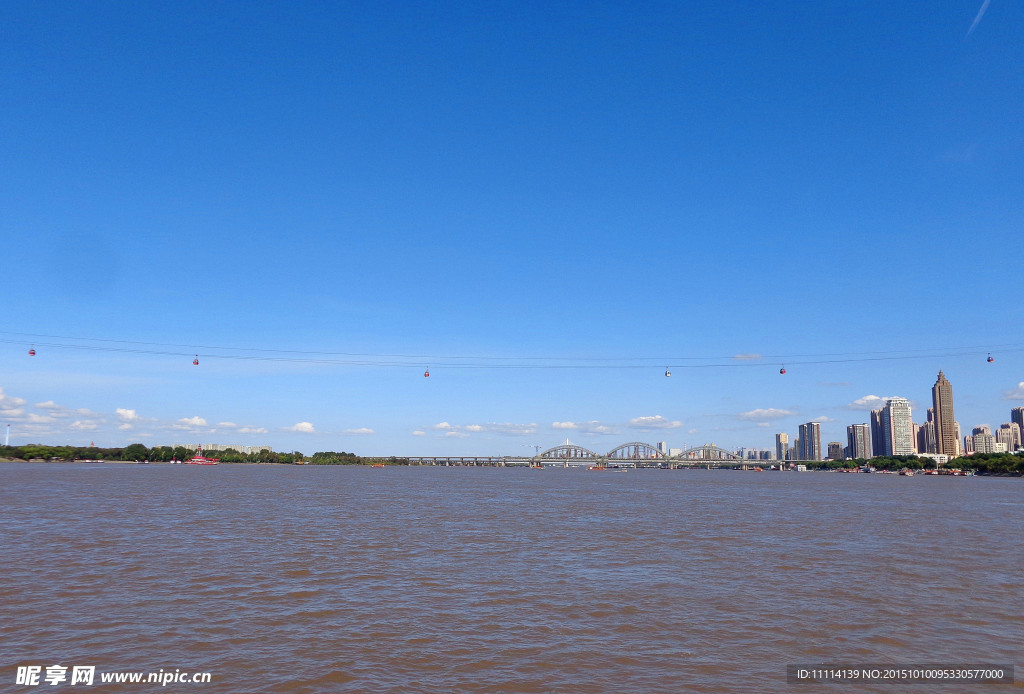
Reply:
x=945 y=426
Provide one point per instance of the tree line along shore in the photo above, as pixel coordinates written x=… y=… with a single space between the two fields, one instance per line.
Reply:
x=137 y=452
x=980 y=463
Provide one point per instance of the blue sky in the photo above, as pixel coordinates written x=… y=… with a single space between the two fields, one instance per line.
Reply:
x=601 y=189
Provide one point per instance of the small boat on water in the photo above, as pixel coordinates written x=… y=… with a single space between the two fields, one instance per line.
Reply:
x=200 y=459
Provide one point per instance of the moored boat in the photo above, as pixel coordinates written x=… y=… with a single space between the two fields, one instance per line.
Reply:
x=200 y=459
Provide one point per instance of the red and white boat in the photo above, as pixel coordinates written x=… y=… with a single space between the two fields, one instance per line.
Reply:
x=200 y=459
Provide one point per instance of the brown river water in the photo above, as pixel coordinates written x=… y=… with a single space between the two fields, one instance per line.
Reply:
x=354 y=579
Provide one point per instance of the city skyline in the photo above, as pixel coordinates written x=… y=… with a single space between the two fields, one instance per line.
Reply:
x=653 y=429
x=547 y=207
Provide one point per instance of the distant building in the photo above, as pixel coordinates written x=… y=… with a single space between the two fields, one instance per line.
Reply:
x=945 y=428
x=1010 y=435
x=663 y=447
x=984 y=443
x=246 y=450
x=983 y=429
x=673 y=452
x=781 y=446
x=926 y=440
x=810 y=441
x=879 y=436
x=897 y=427
x=858 y=441
x=1017 y=417
x=835 y=450
x=939 y=458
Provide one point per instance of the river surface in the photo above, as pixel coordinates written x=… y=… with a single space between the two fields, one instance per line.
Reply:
x=354 y=579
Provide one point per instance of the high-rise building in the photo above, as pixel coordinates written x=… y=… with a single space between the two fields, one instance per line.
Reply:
x=984 y=443
x=810 y=441
x=878 y=434
x=926 y=434
x=858 y=439
x=781 y=446
x=945 y=429
x=898 y=427
x=835 y=450
x=1010 y=435
x=968 y=445
x=1017 y=417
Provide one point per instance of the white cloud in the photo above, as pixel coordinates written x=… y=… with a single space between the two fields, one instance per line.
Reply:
x=128 y=415
x=456 y=435
x=977 y=18
x=746 y=356
x=655 y=422
x=362 y=431
x=868 y=402
x=513 y=429
x=302 y=427
x=419 y=432
x=1015 y=394
x=124 y=427
x=253 y=430
x=823 y=419
x=763 y=414
x=84 y=426
x=227 y=425
x=189 y=421
x=507 y=428
x=6 y=401
x=55 y=410
x=592 y=427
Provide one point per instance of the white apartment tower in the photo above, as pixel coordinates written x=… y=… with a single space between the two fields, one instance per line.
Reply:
x=898 y=428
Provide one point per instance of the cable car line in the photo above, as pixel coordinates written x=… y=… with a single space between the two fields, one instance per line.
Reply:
x=853 y=356
x=496 y=362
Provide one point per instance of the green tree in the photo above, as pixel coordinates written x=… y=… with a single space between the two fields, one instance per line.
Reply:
x=135 y=451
